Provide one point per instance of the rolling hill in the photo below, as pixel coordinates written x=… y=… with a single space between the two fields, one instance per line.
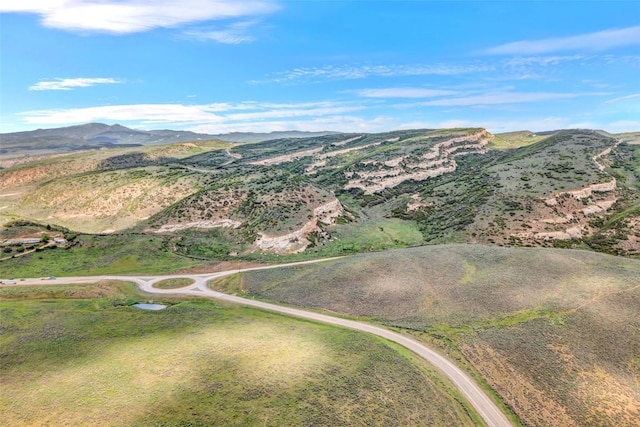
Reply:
x=345 y=193
x=464 y=239
x=88 y=136
x=554 y=332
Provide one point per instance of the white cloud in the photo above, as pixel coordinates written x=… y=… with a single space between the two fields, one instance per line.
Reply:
x=130 y=16
x=253 y=116
x=542 y=61
x=68 y=84
x=596 y=41
x=540 y=67
x=527 y=67
x=403 y=92
x=294 y=112
x=338 y=123
x=633 y=60
x=144 y=113
x=228 y=117
x=503 y=98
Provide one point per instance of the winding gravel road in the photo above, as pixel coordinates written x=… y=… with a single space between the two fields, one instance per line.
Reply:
x=484 y=406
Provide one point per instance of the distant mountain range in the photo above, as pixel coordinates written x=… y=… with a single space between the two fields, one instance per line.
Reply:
x=99 y=135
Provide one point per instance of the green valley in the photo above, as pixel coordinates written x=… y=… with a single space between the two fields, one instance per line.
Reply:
x=515 y=255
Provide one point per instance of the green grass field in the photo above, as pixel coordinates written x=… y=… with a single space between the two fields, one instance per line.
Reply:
x=173 y=283
x=510 y=140
x=96 y=255
x=80 y=355
x=376 y=233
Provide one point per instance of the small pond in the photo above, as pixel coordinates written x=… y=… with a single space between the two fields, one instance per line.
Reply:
x=150 y=306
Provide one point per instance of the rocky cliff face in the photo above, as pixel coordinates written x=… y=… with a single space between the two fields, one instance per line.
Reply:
x=375 y=176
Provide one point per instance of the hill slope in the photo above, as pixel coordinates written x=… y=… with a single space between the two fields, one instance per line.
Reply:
x=554 y=332
x=97 y=190
x=345 y=193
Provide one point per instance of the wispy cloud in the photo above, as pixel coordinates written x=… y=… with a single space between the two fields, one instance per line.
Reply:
x=303 y=111
x=403 y=92
x=144 y=113
x=622 y=98
x=69 y=84
x=597 y=41
x=543 y=61
x=313 y=116
x=131 y=16
x=352 y=72
x=234 y=33
x=633 y=60
x=337 y=122
x=222 y=116
x=468 y=96
x=503 y=98
x=622 y=126
x=522 y=67
x=548 y=67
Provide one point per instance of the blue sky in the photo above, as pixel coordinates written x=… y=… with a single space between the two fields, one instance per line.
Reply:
x=220 y=66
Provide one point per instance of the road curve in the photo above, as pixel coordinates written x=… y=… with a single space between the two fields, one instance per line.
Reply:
x=483 y=405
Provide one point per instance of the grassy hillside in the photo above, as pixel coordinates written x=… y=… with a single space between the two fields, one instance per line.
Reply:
x=80 y=355
x=345 y=193
x=510 y=140
x=556 y=192
x=103 y=201
x=554 y=332
x=92 y=255
x=97 y=190
x=630 y=137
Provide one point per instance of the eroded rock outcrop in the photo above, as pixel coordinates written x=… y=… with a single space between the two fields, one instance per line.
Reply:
x=224 y=223
x=440 y=159
x=297 y=241
x=566 y=215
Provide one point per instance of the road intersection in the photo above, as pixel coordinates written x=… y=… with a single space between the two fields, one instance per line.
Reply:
x=484 y=406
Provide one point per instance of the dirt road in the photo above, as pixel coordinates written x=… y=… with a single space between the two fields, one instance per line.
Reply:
x=484 y=406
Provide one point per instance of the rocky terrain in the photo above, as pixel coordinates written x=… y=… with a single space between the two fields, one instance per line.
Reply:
x=343 y=192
